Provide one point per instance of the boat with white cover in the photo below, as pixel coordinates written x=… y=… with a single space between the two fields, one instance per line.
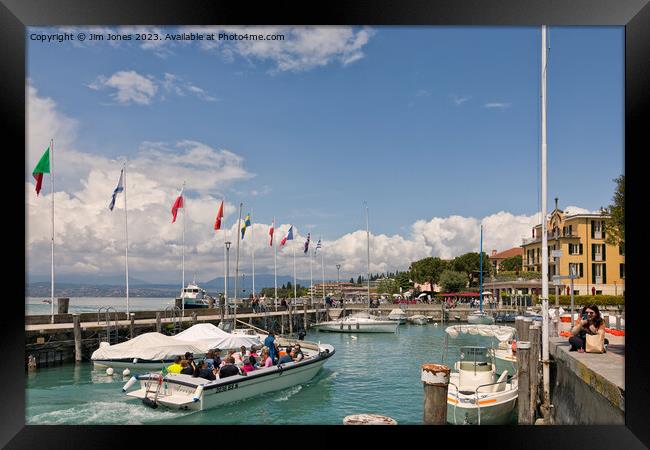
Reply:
x=184 y=392
x=504 y=359
x=475 y=395
x=418 y=319
x=397 y=315
x=478 y=393
x=155 y=350
x=361 y=322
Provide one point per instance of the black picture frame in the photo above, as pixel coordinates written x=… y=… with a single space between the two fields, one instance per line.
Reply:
x=634 y=15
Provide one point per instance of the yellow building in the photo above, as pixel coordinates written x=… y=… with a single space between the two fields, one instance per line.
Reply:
x=599 y=267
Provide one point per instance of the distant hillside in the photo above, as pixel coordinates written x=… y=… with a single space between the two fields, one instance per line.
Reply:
x=99 y=280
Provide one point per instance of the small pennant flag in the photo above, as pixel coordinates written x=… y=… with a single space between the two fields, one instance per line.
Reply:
x=288 y=237
x=177 y=204
x=307 y=242
x=317 y=246
x=42 y=167
x=117 y=190
x=247 y=223
x=271 y=233
x=217 y=223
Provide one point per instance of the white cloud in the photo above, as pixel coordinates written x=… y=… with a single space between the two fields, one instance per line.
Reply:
x=130 y=87
x=460 y=99
x=497 y=105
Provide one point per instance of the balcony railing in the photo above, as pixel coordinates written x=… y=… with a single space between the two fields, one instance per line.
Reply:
x=599 y=280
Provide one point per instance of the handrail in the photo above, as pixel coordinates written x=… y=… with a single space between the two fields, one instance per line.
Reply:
x=252 y=326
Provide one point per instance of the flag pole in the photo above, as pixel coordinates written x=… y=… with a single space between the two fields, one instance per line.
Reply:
x=275 y=265
x=368 y=239
x=253 y=252
x=52 y=193
x=311 y=277
x=183 y=253
x=225 y=275
x=126 y=248
x=238 y=239
x=322 y=265
x=295 y=296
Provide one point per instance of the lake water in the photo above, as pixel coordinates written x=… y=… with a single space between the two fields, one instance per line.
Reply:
x=35 y=305
x=374 y=373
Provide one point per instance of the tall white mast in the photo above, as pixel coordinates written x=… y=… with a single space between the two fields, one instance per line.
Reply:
x=544 y=297
x=126 y=247
x=52 y=193
x=322 y=264
x=295 y=296
x=253 y=251
x=238 y=239
x=225 y=255
x=311 y=276
x=275 y=265
x=368 y=239
x=183 y=251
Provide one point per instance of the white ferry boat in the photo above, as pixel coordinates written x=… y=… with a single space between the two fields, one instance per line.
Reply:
x=194 y=296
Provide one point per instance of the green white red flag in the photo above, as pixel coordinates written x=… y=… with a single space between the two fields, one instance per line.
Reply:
x=42 y=167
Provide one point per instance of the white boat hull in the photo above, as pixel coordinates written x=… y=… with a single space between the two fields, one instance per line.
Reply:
x=180 y=391
x=499 y=412
x=358 y=327
x=480 y=319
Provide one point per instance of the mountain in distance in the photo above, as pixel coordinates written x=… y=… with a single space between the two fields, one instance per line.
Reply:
x=261 y=281
x=85 y=279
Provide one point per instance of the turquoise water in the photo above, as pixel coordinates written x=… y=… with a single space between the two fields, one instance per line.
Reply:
x=35 y=305
x=374 y=373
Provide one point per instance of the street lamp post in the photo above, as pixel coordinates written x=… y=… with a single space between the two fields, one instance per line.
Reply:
x=225 y=297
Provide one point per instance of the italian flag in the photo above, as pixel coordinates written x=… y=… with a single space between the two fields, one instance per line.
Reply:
x=42 y=167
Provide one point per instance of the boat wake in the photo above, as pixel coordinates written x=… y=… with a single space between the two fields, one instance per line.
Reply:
x=290 y=393
x=104 y=413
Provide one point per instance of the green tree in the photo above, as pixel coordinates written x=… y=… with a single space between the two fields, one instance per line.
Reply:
x=359 y=279
x=615 y=223
x=509 y=264
x=388 y=285
x=403 y=281
x=351 y=280
x=470 y=265
x=453 y=281
x=428 y=270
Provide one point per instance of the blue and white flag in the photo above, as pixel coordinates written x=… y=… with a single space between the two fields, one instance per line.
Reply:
x=317 y=247
x=118 y=189
x=307 y=242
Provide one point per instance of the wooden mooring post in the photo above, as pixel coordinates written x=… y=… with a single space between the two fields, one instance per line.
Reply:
x=304 y=315
x=77 y=338
x=435 y=379
x=132 y=326
x=158 y=322
x=526 y=329
x=535 y=337
x=523 y=383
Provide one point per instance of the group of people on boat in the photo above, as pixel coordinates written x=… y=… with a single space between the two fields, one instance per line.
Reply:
x=244 y=361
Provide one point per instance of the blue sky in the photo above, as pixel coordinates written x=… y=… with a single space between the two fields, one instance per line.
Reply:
x=421 y=122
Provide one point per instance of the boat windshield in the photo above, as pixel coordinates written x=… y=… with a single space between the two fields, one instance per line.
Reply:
x=475 y=355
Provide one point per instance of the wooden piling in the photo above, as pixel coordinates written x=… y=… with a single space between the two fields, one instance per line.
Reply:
x=526 y=328
x=290 y=308
x=158 y=322
x=535 y=336
x=132 y=326
x=62 y=304
x=77 y=338
x=435 y=380
x=304 y=315
x=618 y=322
x=523 y=383
x=519 y=327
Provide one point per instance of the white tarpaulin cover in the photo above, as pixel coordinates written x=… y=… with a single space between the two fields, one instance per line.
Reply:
x=396 y=313
x=148 y=346
x=208 y=336
x=501 y=332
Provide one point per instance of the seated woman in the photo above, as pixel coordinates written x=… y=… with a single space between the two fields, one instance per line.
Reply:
x=248 y=364
x=265 y=359
x=589 y=322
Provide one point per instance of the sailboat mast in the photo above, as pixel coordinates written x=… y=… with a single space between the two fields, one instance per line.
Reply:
x=480 y=255
x=368 y=252
x=544 y=297
x=238 y=239
x=183 y=252
x=126 y=247
x=52 y=193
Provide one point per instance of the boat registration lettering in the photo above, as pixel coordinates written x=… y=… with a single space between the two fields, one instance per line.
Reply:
x=228 y=387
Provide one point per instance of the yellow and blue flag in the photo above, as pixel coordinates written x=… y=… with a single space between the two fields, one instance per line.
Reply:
x=247 y=223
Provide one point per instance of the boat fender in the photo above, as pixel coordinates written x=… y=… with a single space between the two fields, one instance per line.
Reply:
x=197 y=393
x=126 y=372
x=109 y=371
x=135 y=360
x=280 y=369
x=130 y=383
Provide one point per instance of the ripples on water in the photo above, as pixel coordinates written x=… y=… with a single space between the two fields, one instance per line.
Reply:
x=370 y=373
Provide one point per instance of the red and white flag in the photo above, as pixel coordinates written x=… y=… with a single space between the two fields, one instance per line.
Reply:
x=217 y=223
x=177 y=204
x=271 y=233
